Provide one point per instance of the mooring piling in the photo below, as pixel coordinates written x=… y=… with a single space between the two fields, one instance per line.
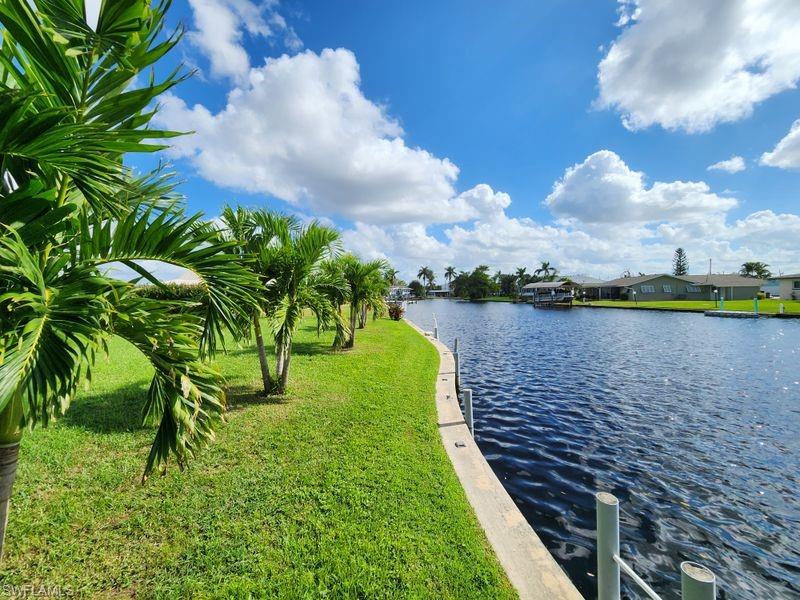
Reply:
x=468 y=411
x=697 y=582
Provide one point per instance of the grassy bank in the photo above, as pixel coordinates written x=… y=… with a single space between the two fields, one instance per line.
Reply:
x=342 y=489
x=496 y=299
x=765 y=306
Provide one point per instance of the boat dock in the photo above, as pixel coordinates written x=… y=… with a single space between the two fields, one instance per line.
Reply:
x=732 y=314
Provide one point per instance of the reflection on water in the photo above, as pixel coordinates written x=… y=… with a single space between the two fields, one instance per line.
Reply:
x=694 y=423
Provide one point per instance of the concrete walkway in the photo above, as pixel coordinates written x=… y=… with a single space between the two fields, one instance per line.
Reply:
x=531 y=569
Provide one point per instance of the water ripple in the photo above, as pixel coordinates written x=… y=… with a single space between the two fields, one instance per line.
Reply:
x=693 y=423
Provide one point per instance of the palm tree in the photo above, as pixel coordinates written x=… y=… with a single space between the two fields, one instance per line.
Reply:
x=545 y=271
x=391 y=275
x=374 y=299
x=755 y=269
x=426 y=275
x=300 y=283
x=449 y=274
x=259 y=235
x=70 y=107
x=360 y=278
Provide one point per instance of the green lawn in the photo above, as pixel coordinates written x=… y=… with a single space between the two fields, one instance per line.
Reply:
x=341 y=490
x=764 y=306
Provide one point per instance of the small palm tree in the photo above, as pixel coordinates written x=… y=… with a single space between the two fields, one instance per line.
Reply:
x=259 y=235
x=300 y=284
x=361 y=281
x=391 y=275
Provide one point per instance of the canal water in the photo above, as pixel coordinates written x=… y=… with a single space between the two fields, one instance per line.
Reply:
x=693 y=423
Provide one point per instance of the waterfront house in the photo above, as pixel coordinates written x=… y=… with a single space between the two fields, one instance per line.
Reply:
x=662 y=286
x=730 y=286
x=789 y=286
x=586 y=287
x=398 y=293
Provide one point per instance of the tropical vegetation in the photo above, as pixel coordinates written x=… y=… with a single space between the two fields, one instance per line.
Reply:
x=755 y=269
x=81 y=231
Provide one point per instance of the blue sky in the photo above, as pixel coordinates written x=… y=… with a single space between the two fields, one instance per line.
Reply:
x=503 y=133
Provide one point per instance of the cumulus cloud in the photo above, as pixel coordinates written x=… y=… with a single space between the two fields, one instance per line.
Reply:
x=608 y=220
x=603 y=189
x=786 y=154
x=684 y=64
x=734 y=164
x=219 y=31
x=302 y=130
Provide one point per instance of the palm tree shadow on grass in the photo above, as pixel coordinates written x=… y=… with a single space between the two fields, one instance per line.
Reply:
x=120 y=410
x=112 y=412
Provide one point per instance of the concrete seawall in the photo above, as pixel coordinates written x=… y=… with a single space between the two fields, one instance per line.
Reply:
x=531 y=569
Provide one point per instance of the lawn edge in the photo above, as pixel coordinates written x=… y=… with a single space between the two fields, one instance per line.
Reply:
x=530 y=568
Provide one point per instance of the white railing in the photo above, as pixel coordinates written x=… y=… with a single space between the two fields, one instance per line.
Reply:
x=697 y=582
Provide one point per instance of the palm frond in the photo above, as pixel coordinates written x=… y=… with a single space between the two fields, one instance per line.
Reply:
x=188 y=242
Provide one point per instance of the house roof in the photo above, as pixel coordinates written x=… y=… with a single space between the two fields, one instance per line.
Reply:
x=790 y=276
x=585 y=280
x=546 y=285
x=628 y=281
x=726 y=280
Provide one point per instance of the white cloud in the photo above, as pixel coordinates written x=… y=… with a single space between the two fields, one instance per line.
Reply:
x=786 y=154
x=610 y=221
x=219 y=28
x=734 y=164
x=689 y=64
x=302 y=130
x=603 y=189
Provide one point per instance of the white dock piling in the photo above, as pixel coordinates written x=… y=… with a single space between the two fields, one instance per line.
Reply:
x=468 y=411
x=697 y=582
x=607 y=546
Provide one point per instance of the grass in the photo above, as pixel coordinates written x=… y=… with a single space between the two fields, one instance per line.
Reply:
x=496 y=299
x=764 y=306
x=340 y=490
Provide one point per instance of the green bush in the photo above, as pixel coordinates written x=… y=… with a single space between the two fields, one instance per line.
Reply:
x=174 y=291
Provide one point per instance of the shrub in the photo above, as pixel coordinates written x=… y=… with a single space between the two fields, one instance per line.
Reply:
x=396 y=312
x=193 y=292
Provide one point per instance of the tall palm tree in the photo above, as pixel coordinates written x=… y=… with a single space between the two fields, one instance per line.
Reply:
x=360 y=278
x=70 y=107
x=545 y=270
x=449 y=274
x=426 y=275
x=300 y=284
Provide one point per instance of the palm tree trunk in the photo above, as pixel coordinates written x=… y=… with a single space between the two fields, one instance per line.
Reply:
x=9 y=454
x=352 y=341
x=279 y=356
x=262 y=355
x=362 y=320
x=285 y=372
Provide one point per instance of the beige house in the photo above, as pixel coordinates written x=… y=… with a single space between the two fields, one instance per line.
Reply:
x=789 y=286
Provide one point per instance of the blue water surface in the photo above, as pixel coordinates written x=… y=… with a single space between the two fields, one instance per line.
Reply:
x=692 y=422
